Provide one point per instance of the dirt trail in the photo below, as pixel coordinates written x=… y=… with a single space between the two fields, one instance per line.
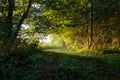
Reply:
x=50 y=71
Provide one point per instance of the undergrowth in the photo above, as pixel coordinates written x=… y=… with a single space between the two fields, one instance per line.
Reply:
x=34 y=64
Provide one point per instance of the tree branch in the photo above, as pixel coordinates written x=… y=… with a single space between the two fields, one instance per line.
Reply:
x=18 y=27
x=11 y=4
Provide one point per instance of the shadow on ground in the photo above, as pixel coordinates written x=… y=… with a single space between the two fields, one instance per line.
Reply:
x=48 y=65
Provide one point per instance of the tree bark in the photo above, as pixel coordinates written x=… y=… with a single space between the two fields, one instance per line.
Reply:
x=90 y=31
x=10 y=34
x=18 y=27
x=9 y=24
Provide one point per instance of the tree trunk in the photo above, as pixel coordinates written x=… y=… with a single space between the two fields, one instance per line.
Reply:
x=11 y=34
x=18 y=26
x=90 y=31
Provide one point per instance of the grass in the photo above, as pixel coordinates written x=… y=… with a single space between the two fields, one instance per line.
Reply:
x=54 y=65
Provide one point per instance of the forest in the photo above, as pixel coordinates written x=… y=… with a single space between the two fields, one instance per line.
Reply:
x=59 y=39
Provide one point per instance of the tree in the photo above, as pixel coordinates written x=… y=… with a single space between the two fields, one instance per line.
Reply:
x=90 y=20
x=13 y=14
x=100 y=21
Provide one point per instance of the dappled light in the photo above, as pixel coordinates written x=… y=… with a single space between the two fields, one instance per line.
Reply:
x=45 y=39
x=59 y=40
x=55 y=65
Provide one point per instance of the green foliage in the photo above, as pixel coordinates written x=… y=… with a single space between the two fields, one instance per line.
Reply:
x=80 y=23
x=98 y=22
x=74 y=26
x=52 y=65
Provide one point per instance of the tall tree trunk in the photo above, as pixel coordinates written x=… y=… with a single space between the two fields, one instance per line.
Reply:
x=10 y=34
x=88 y=42
x=9 y=24
x=90 y=31
x=18 y=27
x=9 y=19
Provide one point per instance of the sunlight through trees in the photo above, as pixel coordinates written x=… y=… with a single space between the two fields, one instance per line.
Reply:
x=79 y=23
